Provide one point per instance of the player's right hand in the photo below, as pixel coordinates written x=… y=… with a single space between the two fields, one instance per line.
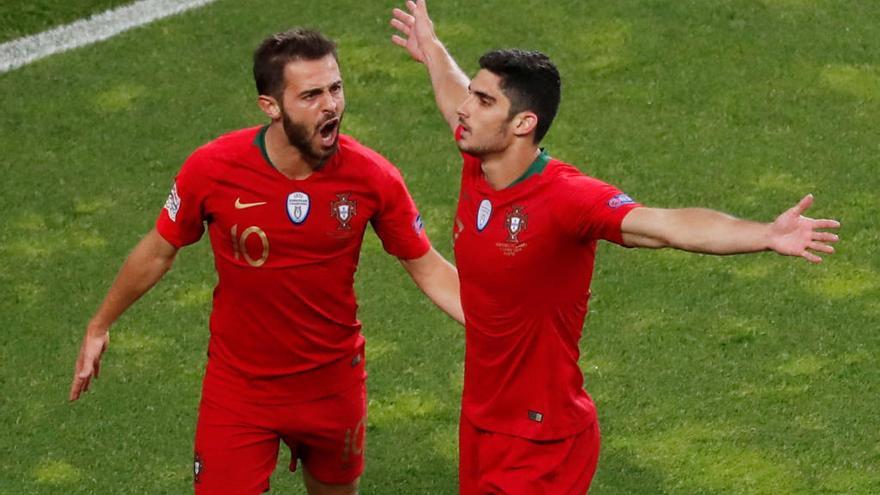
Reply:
x=88 y=364
x=416 y=29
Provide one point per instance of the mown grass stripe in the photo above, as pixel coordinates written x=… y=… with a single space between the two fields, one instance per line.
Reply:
x=20 y=52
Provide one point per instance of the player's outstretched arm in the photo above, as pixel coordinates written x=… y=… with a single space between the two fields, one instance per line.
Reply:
x=147 y=263
x=708 y=231
x=417 y=36
x=438 y=279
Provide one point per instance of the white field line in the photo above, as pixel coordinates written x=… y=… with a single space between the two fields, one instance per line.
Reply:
x=99 y=27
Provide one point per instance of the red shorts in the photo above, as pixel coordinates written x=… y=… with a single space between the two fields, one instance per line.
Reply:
x=498 y=464
x=237 y=443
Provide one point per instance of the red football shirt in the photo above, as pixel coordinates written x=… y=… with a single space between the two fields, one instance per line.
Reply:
x=283 y=323
x=525 y=259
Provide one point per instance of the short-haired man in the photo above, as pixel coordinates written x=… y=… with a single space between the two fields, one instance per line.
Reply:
x=525 y=235
x=286 y=206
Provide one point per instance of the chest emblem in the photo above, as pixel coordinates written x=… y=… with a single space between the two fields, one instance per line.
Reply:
x=343 y=210
x=298 y=206
x=516 y=222
x=483 y=214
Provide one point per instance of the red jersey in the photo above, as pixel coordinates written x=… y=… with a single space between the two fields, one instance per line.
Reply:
x=525 y=259
x=283 y=324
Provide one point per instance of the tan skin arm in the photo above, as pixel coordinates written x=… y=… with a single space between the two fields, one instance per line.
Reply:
x=145 y=266
x=417 y=36
x=707 y=231
x=438 y=279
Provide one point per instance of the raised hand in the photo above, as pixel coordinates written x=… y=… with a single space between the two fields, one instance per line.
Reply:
x=416 y=29
x=793 y=234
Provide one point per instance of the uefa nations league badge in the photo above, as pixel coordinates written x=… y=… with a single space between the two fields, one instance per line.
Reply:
x=298 y=205
x=483 y=214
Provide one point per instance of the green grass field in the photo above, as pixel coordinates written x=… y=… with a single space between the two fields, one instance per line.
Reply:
x=734 y=375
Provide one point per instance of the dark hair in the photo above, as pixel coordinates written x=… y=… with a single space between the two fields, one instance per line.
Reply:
x=530 y=81
x=276 y=51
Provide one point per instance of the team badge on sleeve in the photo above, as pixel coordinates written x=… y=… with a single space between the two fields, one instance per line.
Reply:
x=172 y=204
x=620 y=200
x=298 y=205
x=483 y=214
x=418 y=224
x=343 y=210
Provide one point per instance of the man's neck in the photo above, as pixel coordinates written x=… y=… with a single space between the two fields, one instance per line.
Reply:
x=286 y=158
x=504 y=168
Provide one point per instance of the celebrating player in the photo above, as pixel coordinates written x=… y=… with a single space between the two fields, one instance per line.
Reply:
x=525 y=238
x=286 y=206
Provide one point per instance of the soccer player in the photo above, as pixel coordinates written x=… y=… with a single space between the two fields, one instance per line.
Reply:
x=286 y=206
x=525 y=236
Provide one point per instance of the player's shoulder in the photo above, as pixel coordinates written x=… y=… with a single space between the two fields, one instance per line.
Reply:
x=223 y=149
x=359 y=158
x=229 y=144
x=564 y=175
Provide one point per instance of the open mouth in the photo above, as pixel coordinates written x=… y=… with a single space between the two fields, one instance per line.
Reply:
x=329 y=132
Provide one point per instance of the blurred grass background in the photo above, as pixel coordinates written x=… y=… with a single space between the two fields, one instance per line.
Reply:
x=731 y=375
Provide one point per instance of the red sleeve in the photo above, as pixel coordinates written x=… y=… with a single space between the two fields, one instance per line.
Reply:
x=181 y=221
x=398 y=223
x=593 y=209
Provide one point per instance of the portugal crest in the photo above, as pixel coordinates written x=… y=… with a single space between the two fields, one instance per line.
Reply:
x=343 y=210
x=516 y=222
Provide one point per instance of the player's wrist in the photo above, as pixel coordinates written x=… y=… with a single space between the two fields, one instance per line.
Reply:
x=433 y=50
x=97 y=328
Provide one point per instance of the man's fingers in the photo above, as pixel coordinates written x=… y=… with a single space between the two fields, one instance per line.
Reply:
x=822 y=248
x=804 y=204
x=812 y=258
x=74 y=389
x=412 y=6
x=825 y=237
x=826 y=224
x=397 y=40
x=400 y=26
x=403 y=16
x=85 y=370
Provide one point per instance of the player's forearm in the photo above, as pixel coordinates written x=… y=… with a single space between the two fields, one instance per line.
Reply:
x=438 y=279
x=708 y=231
x=145 y=266
x=443 y=290
x=448 y=80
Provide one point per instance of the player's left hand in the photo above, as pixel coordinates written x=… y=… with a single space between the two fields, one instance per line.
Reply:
x=793 y=234
x=88 y=364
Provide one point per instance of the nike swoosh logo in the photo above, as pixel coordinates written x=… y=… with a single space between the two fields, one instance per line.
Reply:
x=240 y=206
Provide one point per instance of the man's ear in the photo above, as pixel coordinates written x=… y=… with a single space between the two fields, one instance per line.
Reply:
x=270 y=106
x=525 y=123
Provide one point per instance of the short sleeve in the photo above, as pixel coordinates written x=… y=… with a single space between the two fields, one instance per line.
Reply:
x=593 y=209
x=181 y=221
x=398 y=223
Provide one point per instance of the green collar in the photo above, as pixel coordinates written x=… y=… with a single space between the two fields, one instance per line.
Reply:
x=260 y=140
x=535 y=168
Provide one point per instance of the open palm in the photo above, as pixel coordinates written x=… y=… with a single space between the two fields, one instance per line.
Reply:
x=414 y=28
x=793 y=234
